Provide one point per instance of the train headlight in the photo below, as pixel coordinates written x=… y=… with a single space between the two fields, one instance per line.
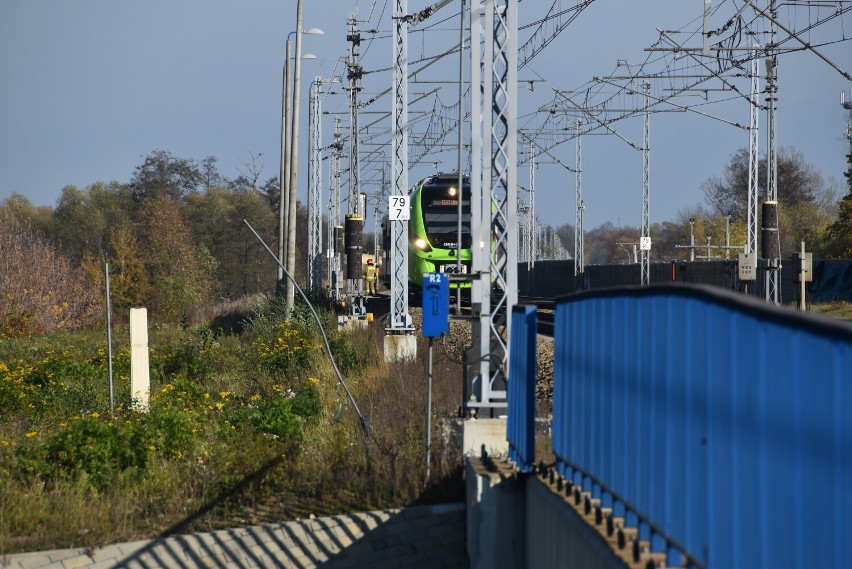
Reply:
x=422 y=244
x=452 y=191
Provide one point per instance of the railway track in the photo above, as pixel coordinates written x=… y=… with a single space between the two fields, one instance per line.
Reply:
x=545 y=313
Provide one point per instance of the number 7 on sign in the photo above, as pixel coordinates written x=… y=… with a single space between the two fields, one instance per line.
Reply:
x=398 y=208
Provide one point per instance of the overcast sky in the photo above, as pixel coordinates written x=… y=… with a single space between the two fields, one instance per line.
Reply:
x=88 y=88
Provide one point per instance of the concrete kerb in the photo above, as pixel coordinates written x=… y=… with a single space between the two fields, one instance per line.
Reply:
x=355 y=540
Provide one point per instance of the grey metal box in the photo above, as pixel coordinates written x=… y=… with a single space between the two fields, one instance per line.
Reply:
x=747 y=265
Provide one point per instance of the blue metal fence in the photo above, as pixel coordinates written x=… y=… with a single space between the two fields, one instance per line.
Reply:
x=710 y=421
x=520 y=423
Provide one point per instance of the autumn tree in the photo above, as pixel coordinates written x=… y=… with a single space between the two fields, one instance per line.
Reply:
x=182 y=274
x=84 y=219
x=798 y=183
x=41 y=290
x=162 y=174
x=129 y=283
x=602 y=244
x=20 y=209
x=216 y=218
x=805 y=209
x=838 y=236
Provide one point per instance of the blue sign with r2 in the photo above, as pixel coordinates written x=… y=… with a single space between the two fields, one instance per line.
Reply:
x=436 y=304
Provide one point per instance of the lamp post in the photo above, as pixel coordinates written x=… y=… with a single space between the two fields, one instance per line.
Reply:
x=287 y=201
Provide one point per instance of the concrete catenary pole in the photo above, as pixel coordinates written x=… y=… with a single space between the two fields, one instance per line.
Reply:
x=294 y=157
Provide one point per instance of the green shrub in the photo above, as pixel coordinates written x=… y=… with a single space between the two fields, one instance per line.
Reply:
x=194 y=357
x=281 y=416
x=92 y=450
x=286 y=350
x=175 y=423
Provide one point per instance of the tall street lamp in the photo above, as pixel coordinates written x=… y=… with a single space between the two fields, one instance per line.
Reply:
x=287 y=201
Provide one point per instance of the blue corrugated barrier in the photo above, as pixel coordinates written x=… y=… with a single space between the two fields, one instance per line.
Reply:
x=716 y=425
x=520 y=423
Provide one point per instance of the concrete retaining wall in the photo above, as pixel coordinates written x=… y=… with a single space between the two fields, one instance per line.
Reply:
x=518 y=521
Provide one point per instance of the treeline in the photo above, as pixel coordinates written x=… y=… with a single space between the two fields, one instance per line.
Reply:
x=175 y=240
x=809 y=210
x=173 y=236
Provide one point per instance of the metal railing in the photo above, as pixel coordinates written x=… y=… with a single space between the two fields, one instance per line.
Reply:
x=715 y=427
x=520 y=422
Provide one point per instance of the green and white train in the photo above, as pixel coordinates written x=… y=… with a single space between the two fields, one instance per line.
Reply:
x=433 y=237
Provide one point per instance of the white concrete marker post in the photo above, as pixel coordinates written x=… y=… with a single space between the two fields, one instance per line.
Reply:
x=140 y=377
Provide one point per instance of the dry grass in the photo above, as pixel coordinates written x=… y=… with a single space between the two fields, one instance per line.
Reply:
x=238 y=479
x=841 y=309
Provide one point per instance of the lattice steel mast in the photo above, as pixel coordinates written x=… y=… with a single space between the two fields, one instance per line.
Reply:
x=529 y=226
x=578 y=205
x=354 y=74
x=771 y=238
x=334 y=200
x=315 y=188
x=354 y=223
x=645 y=241
x=497 y=288
x=753 y=156
x=399 y=321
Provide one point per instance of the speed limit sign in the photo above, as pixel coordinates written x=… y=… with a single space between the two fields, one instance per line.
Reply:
x=398 y=208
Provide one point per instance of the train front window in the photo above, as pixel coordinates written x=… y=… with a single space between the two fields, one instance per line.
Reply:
x=440 y=216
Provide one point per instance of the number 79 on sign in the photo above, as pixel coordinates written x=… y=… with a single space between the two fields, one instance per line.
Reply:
x=398 y=208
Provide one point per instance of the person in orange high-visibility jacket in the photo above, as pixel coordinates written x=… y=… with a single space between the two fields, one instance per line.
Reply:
x=370 y=275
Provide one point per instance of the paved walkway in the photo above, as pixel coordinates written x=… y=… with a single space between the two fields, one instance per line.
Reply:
x=420 y=537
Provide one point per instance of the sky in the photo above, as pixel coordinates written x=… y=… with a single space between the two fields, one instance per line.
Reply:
x=88 y=88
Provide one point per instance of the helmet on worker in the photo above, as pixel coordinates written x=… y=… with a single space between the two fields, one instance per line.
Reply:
x=369 y=261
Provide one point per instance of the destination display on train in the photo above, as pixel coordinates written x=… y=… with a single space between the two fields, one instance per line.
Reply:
x=445 y=202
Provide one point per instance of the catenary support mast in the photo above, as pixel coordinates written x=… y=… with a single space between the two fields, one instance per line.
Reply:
x=753 y=157
x=771 y=238
x=399 y=321
x=315 y=189
x=497 y=288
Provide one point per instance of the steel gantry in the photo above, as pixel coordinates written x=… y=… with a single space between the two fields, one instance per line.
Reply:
x=495 y=221
x=315 y=188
